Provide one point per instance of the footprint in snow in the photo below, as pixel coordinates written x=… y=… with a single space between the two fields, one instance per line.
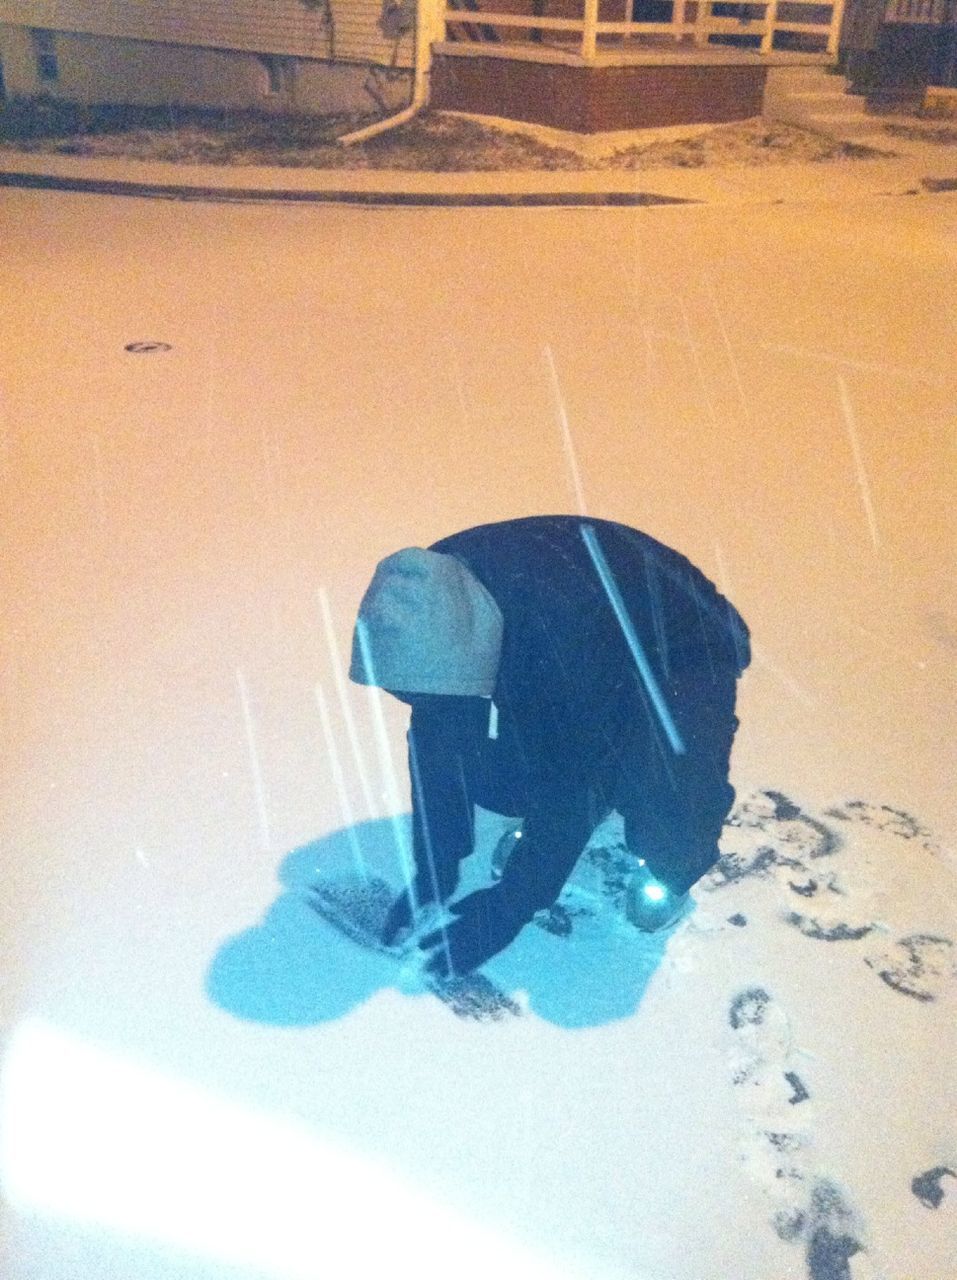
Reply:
x=918 y=966
x=769 y=837
x=777 y=1147
x=928 y=1186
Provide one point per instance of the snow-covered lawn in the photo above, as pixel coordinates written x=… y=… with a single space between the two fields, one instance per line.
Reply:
x=434 y=141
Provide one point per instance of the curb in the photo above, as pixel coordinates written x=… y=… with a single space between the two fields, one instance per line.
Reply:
x=243 y=195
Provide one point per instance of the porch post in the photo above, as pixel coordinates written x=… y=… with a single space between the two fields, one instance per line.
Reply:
x=590 y=30
x=770 y=19
x=702 y=14
x=834 y=35
x=678 y=19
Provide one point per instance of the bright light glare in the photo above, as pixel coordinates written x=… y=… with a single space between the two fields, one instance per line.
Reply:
x=655 y=892
x=89 y=1138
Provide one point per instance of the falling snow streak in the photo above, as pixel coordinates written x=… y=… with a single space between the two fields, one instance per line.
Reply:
x=339 y=781
x=667 y=335
x=701 y=613
x=650 y=360
x=386 y=764
x=698 y=365
x=272 y=462
x=264 y=834
x=864 y=366
x=455 y=364
x=99 y=478
x=799 y=692
x=657 y=738
x=212 y=380
x=862 y=481
x=759 y=656
x=566 y=433
x=5 y=434
x=881 y=649
x=419 y=797
x=654 y=598
x=338 y=671
x=729 y=350
x=604 y=572
x=724 y=578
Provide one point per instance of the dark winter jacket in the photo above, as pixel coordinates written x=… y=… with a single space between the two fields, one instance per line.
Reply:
x=567 y=685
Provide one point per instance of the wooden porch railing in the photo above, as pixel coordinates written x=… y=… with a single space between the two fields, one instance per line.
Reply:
x=692 y=21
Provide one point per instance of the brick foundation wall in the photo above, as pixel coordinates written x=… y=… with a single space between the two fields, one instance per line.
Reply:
x=592 y=99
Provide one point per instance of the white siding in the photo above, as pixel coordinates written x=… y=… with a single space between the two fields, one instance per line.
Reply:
x=154 y=73
x=258 y=26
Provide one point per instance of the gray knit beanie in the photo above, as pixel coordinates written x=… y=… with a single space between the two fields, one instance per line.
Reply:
x=427 y=625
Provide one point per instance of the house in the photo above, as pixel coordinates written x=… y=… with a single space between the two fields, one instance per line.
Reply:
x=892 y=50
x=596 y=65
x=585 y=65
x=273 y=55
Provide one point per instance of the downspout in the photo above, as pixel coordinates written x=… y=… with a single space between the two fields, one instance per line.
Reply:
x=420 y=84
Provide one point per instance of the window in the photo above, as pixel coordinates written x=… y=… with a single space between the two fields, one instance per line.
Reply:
x=44 y=51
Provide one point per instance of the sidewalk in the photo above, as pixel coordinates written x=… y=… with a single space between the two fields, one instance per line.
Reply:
x=916 y=168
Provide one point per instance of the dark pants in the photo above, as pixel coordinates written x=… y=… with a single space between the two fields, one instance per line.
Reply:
x=673 y=805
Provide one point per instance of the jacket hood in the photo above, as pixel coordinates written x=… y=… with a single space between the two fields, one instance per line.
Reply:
x=427 y=625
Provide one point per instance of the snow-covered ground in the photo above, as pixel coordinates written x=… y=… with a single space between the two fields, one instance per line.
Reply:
x=203 y=1081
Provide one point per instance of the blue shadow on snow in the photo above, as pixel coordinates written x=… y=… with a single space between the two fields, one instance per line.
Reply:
x=294 y=969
